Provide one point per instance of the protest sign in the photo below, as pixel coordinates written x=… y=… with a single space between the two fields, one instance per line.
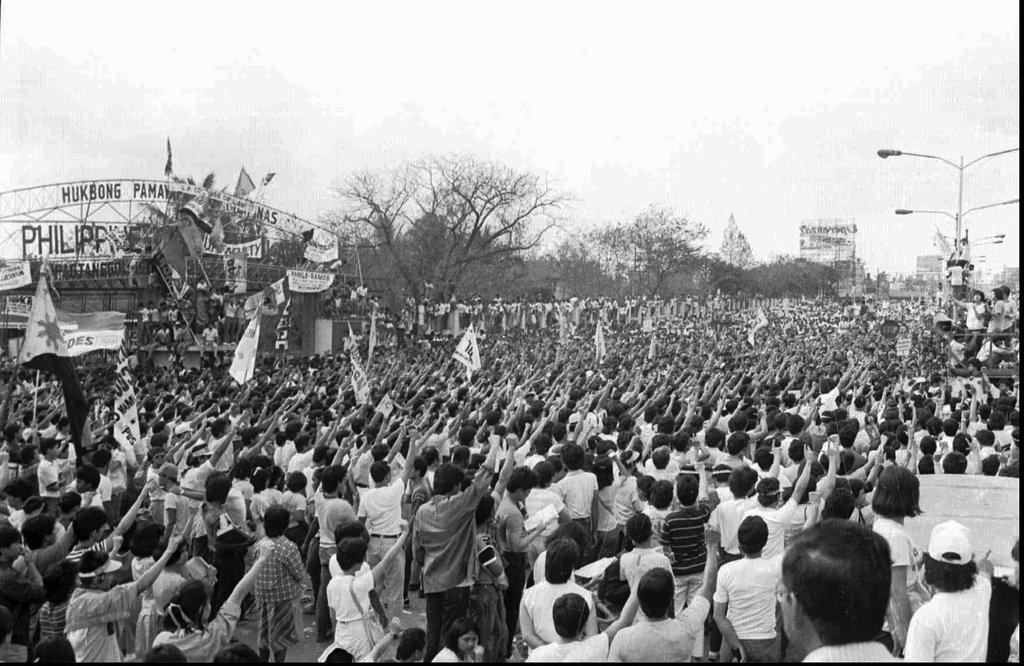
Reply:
x=12 y=277
x=309 y=282
x=903 y=347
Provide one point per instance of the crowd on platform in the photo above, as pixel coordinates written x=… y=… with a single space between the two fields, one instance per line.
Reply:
x=689 y=495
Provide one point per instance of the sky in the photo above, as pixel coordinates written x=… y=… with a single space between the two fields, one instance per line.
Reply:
x=772 y=112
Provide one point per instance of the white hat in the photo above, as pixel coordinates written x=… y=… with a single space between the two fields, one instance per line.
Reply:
x=950 y=542
x=110 y=566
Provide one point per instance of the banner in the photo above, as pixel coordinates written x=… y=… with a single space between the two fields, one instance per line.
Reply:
x=91 y=331
x=244 y=362
x=73 y=239
x=599 y=346
x=12 y=277
x=235 y=272
x=126 y=407
x=360 y=381
x=467 y=353
x=252 y=249
x=323 y=247
x=309 y=282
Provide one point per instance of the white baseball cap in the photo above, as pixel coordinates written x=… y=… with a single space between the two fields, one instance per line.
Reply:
x=950 y=542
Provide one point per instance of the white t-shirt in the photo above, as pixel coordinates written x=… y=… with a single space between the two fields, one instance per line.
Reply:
x=382 y=508
x=902 y=549
x=634 y=564
x=48 y=473
x=749 y=586
x=577 y=490
x=539 y=600
x=777 y=520
x=952 y=627
x=105 y=489
x=537 y=500
x=726 y=518
x=590 y=650
x=349 y=631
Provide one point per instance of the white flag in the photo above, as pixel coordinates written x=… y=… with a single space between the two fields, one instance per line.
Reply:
x=244 y=363
x=599 y=346
x=42 y=332
x=759 y=323
x=467 y=353
x=561 y=327
x=651 y=352
x=360 y=382
x=126 y=431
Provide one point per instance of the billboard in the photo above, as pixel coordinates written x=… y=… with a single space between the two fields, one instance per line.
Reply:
x=828 y=241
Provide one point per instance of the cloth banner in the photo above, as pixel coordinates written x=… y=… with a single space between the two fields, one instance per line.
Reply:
x=268 y=300
x=467 y=352
x=309 y=282
x=244 y=363
x=126 y=407
x=759 y=323
x=360 y=381
x=12 y=277
x=91 y=331
x=323 y=247
x=599 y=346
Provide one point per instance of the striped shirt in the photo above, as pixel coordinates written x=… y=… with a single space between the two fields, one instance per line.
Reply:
x=683 y=533
x=53 y=618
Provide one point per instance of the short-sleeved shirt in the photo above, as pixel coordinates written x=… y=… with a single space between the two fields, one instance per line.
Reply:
x=539 y=600
x=507 y=517
x=349 y=632
x=593 y=649
x=577 y=490
x=202 y=646
x=726 y=518
x=90 y=617
x=668 y=640
x=683 y=532
x=331 y=512
x=777 y=520
x=749 y=586
x=952 y=627
x=382 y=508
x=48 y=473
x=634 y=564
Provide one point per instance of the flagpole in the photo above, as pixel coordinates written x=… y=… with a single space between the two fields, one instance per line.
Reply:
x=35 y=398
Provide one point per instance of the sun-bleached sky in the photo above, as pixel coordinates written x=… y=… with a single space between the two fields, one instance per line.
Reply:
x=770 y=111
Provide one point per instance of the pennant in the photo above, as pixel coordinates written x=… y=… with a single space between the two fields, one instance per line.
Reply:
x=467 y=352
x=599 y=346
x=126 y=407
x=168 y=169
x=360 y=381
x=759 y=323
x=266 y=179
x=245 y=185
x=244 y=363
x=44 y=348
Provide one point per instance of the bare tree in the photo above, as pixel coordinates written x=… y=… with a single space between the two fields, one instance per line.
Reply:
x=656 y=245
x=436 y=219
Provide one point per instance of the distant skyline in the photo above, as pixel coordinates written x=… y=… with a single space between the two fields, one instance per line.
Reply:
x=770 y=111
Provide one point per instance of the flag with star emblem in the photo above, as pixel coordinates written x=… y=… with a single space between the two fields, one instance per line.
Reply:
x=44 y=348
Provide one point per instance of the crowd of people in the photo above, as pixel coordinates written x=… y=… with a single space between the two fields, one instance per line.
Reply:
x=688 y=496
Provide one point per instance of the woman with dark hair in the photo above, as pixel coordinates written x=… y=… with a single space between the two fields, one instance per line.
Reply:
x=461 y=643
x=155 y=600
x=607 y=527
x=897 y=497
x=953 y=625
x=187 y=625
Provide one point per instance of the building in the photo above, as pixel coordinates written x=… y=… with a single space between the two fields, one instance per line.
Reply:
x=832 y=242
x=930 y=266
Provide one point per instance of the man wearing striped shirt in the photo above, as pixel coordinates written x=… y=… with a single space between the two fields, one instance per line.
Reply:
x=682 y=536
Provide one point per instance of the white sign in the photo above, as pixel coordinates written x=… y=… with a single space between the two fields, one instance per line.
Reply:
x=126 y=431
x=12 y=277
x=309 y=282
x=903 y=347
x=323 y=248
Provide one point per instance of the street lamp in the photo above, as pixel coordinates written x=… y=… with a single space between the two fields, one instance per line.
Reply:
x=886 y=153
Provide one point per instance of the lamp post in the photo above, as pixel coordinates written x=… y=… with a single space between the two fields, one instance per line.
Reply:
x=886 y=153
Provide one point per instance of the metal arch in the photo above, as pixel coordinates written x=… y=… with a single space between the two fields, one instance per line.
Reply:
x=38 y=203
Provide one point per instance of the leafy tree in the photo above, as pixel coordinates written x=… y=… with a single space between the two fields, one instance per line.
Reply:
x=656 y=245
x=735 y=246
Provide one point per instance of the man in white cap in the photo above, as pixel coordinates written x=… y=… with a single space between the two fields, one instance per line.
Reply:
x=953 y=625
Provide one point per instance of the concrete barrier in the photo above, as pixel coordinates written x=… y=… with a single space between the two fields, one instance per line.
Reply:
x=988 y=506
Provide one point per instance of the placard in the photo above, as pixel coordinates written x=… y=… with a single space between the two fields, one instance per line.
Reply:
x=12 y=277
x=309 y=282
x=903 y=347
